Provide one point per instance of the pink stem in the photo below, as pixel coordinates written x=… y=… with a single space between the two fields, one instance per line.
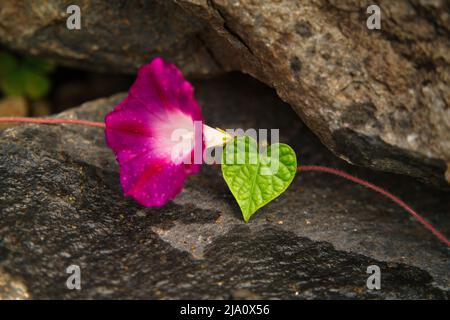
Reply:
x=342 y=174
x=53 y=121
x=375 y=188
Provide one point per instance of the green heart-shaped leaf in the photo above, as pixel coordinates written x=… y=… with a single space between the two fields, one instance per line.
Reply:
x=255 y=178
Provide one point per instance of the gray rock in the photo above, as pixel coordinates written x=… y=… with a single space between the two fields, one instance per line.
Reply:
x=115 y=36
x=61 y=204
x=379 y=99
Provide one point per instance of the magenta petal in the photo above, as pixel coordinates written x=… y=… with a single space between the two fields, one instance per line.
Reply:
x=139 y=129
x=151 y=182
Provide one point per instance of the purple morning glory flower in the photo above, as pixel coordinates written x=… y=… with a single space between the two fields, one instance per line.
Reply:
x=140 y=131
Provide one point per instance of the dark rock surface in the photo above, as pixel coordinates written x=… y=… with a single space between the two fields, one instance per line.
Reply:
x=61 y=204
x=379 y=99
x=115 y=36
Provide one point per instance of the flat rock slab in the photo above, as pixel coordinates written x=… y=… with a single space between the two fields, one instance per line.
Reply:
x=61 y=205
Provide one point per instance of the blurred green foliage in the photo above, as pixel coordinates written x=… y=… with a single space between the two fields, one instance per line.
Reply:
x=27 y=77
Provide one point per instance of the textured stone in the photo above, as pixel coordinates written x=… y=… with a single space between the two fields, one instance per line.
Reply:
x=61 y=204
x=115 y=36
x=379 y=99
x=376 y=98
